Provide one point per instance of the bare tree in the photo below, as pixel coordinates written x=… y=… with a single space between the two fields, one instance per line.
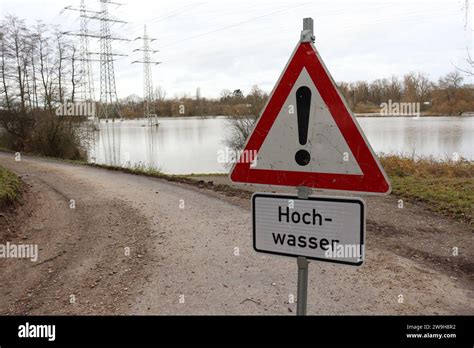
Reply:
x=160 y=94
x=45 y=68
x=17 y=48
x=469 y=70
x=4 y=70
x=470 y=65
x=394 y=89
x=61 y=56
x=225 y=95
x=33 y=50
x=452 y=80
x=424 y=87
x=74 y=80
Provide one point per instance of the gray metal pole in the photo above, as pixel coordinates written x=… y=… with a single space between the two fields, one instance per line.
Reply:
x=302 y=298
x=307 y=32
x=302 y=290
x=303 y=193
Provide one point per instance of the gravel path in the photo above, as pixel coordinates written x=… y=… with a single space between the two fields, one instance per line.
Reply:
x=190 y=252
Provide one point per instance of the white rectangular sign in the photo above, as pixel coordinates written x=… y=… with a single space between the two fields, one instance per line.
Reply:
x=321 y=228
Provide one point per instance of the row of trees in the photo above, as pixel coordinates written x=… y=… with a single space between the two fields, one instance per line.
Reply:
x=447 y=96
x=229 y=104
x=39 y=66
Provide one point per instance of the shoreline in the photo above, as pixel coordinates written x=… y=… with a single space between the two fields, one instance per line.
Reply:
x=442 y=187
x=357 y=115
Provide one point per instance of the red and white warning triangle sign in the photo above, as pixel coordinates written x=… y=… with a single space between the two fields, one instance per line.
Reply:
x=307 y=136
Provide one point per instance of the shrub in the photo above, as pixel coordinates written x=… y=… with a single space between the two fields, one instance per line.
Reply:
x=42 y=133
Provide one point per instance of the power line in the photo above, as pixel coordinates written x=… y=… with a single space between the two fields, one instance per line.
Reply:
x=236 y=24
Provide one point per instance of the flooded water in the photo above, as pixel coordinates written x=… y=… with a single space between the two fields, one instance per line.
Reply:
x=192 y=144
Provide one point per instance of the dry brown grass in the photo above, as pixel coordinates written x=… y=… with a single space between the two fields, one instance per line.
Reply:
x=445 y=187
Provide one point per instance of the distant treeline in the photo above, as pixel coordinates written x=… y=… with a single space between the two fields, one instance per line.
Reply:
x=447 y=96
x=230 y=103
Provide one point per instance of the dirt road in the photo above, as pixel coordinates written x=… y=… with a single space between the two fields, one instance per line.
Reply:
x=190 y=252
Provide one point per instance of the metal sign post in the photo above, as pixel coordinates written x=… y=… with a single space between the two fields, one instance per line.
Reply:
x=307 y=32
x=302 y=285
x=302 y=290
x=303 y=193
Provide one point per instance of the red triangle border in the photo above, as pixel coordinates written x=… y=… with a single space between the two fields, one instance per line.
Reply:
x=373 y=179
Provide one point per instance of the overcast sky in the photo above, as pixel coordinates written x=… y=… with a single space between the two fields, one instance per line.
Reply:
x=218 y=44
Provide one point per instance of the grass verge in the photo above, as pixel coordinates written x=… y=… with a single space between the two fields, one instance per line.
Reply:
x=445 y=187
x=10 y=187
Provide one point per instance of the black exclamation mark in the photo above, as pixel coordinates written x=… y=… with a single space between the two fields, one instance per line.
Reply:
x=303 y=106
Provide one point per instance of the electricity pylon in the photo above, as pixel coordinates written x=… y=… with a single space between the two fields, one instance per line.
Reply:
x=86 y=77
x=108 y=107
x=108 y=93
x=149 y=111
